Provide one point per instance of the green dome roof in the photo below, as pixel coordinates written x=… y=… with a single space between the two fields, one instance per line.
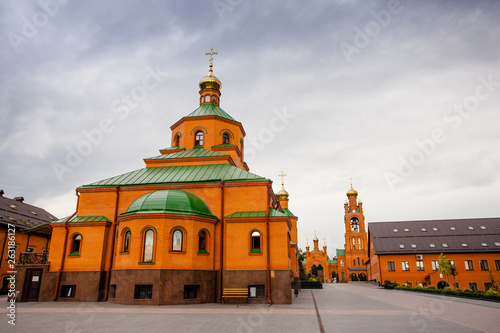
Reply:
x=169 y=202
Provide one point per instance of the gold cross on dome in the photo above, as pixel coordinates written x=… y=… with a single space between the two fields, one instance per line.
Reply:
x=211 y=54
x=350 y=178
x=282 y=176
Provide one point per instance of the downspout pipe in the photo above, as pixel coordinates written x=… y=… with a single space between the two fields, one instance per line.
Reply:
x=268 y=250
x=66 y=231
x=113 y=238
x=222 y=184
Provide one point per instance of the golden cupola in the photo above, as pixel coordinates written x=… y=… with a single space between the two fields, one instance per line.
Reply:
x=352 y=192
x=210 y=85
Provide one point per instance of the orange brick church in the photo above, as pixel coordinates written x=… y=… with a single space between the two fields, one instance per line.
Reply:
x=190 y=224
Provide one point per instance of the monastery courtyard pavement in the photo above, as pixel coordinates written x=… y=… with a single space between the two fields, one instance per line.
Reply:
x=353 y=307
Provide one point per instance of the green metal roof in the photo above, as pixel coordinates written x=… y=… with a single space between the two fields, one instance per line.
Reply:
x=178 y=174
x=174 y=148
x=169 y=202
x=222 y=145
x=255 y=214
x=210 y=110
x=340 y=252
x=288 y=212
x=81 y=219
x=191 y=153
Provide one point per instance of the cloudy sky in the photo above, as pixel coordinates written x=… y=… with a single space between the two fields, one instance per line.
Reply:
x=402 y=96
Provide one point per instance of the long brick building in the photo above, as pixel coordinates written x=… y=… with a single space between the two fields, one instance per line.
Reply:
x=407 y=252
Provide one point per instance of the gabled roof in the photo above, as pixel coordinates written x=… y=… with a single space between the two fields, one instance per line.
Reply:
x=23 y=215
x=436 y=236
x=190 y=153
x=178 y=175
x=210 y=110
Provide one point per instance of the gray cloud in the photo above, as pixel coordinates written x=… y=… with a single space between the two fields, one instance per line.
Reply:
x=357 y=118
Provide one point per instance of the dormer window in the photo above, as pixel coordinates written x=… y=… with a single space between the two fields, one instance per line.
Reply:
x=198 y=139
x=225 y=138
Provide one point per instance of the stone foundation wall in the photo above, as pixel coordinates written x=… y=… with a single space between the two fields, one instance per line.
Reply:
x=168 y=286
x=281 y=292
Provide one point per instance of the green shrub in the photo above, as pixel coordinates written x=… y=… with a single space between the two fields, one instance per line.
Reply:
x=430 y=287
x=447 y=290
x=467 y=291
x=492 y=292
x=387 y=282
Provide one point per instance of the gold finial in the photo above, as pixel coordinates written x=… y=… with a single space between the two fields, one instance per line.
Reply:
x=211 y=54
x=350 y=178
x=282 y=176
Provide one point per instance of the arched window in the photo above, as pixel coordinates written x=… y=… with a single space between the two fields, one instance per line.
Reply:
x=255 y=241
x=149 y=239
x=126 y=241
x=198 y=139
x=354 y=224
x=176 y=140
x=202 y=241
x=214 y=100
x=207 y=99
x=354 y=262
x=76 y=245
x=354 y=244
x=359 y=243
x=225 y=138
x=177 y=241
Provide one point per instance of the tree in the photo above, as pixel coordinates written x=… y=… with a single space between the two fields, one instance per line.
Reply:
x=491 y=277
x=444 y=266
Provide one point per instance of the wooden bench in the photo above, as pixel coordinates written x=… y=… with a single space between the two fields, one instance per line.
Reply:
x=235 y=293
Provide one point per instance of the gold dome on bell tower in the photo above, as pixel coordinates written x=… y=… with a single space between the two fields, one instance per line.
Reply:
x=210 y=81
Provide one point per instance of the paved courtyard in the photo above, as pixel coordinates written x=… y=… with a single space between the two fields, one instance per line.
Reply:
x=353 y=307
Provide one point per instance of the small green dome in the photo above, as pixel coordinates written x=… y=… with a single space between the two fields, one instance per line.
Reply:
x=169 y=202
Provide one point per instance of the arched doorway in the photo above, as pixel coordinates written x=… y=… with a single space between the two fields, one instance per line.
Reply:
x=442 y=284
x=343 y=276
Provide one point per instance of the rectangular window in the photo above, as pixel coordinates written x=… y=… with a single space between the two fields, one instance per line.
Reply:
x=452 y=263
x=354 y=262
x=420 y=266
x=143 y=291
x=405 y=265
x=487 y=286
x=435 y=265
x=473 y=286
x=191 y=291
x=497 y=265
x=256 y=291
x=469 y=266
x=390 y=266
x=68 y=291
x=484 y=265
